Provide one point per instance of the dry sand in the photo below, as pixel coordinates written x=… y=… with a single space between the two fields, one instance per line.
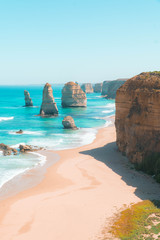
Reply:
x=78 y=194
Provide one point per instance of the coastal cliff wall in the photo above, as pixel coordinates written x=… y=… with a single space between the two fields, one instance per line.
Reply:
x=109 y=88
x=98 y=87
x=73 y=96
x=138 y=116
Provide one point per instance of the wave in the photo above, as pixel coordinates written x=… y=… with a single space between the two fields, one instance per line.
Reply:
x=108 y=111
x=19 y=166
x=6 y=118
x=38 y=133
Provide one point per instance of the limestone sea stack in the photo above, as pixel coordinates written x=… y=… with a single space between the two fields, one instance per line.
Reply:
x=48 y=107
x=68 y=123
x=87 y=88
x=28 y=100
x=109 y=88
x=138 y=117
x=98 y=87
x=73 y=96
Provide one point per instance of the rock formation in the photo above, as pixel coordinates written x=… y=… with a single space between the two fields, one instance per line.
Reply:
x=7 y=150
x=109 y=88
x=138 y=116
x=28 y=148
x=98 y=87
x=87 y=88
x=68 y=122
x=73 y=96
x=48 y=107
x=28 y=100
x=20 y=131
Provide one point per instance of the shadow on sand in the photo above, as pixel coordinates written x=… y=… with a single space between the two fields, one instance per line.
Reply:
x=146 y=186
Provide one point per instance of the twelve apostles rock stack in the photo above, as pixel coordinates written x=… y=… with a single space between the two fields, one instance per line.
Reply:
x=48 y=107
x=28 y=100
x=109 y=88
x=138 y=117
x=73 y=96
x=87 y=88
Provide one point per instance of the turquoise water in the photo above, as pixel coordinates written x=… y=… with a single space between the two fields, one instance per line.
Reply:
x=45 y=132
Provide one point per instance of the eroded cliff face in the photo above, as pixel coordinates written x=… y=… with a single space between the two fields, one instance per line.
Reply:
x=48 y=107
x=87 y=88
x=98 y=87
x=73 y=96
x=109 y=88
x=28 y=100
x=138 y=116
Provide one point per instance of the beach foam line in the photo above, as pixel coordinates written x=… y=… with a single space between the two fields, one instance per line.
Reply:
x=108 y=111
x=9 y=174
x=6 y=118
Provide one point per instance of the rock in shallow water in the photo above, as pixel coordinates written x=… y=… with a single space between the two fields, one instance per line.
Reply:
x=68 y=123
x=48 y=107
x=7 y=150
x=138 y=116
x=28 y=100
x=20 y=131
x=73 y=96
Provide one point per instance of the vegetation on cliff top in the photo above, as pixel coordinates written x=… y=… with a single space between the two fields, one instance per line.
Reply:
x=138 y=222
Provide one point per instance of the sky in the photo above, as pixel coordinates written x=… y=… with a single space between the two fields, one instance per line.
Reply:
x=77 y=40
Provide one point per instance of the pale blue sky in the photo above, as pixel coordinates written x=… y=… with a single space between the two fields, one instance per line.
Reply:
x=77 y=40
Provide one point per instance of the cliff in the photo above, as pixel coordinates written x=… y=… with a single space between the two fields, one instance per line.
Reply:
x=98 y=87
x=87 y=88
x=73 y=96
x=48 y=107
x=137 y=118
x=109 y=88
x=28 y=100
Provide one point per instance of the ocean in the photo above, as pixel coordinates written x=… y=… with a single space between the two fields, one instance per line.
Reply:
x=45 y=132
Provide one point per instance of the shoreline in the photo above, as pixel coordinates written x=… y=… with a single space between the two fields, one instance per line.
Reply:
x=60 y=202
x=36 y=174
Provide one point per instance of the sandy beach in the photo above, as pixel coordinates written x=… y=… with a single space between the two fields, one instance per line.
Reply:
x=78 y=194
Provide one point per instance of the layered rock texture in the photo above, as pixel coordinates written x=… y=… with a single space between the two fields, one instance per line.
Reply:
x=48 y=107
x=98 y=87
x=73 y=96
x=109 y=88
x=138 y=116
x=68 y=123
x=87 y=88
x=28 y=100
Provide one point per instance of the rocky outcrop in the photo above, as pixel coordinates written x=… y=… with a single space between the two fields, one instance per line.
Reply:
x=28 y=148
x=48 y=107
x=137 y=116
x=28 y=100
x=7 y=150
x=87 y=88
x=20 y=131
x=98 y=87
x=68 y=123
x=73 y=96
x=109 y=88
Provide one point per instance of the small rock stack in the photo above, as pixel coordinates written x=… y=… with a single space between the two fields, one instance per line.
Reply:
x=28 y=100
